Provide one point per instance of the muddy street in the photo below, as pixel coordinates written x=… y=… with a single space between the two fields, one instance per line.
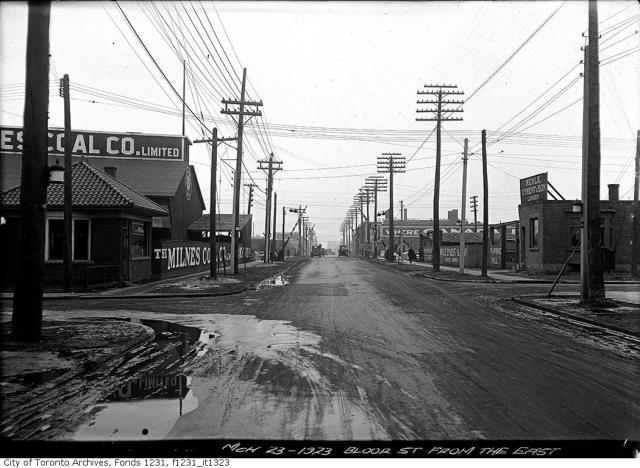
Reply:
x=349 y=349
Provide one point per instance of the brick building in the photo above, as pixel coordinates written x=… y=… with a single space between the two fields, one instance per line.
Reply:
x=111 y=230
x=550 y=232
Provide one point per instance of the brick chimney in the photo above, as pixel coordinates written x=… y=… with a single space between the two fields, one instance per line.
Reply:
x=111 y=171
x=614 y=192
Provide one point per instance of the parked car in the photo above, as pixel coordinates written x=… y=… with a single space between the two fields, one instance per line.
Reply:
x=343 y=251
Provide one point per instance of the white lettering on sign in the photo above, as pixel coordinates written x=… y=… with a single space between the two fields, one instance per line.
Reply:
x=59 y=145
x=184 y=257
x=127 y=146
x=5 y=139
x=79 y=145
x=92 y=150
x=110 y=142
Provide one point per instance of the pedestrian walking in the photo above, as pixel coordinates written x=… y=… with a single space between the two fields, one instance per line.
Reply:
x=288 y=253
x=412 y=255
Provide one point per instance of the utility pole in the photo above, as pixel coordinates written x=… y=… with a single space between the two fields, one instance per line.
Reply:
x=282 y=253
x=391 y=163
x=367 y=192
x=355 y=232
x=241 y=112
x=474 y=208
x=184 y=91
x=250 y=202
x=439 y=91
x=275 y=212
x=215 y=141
x=464 y=204
x=26 y=319
x=636 y=213
x=485 y=211
x=299 y=229
x=270 y=166
x=68 y=202
x=401 y=225
x=592 y=290
x=377 y=184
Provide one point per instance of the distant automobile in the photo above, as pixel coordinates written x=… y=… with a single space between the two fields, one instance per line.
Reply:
x=315 y=251
x=343 y=251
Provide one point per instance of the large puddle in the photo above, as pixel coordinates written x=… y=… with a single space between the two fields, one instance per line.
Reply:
x=253 y=378
x=148 y=405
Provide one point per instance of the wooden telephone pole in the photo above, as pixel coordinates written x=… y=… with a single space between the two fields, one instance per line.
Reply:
x=241 y=111
x=592 y=277
x=274 y=241
x=68 y=202
x=26 y=319
x=439 y=91
x=485 y=205
x=463 y=215
x=376 y=184
x=636 y=213
x=474 y=208
x=391 y=163
x=270 y=166
x=250 y=201
x=215 y=141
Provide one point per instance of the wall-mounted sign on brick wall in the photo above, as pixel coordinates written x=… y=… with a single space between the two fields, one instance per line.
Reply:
x=533 y=189
x=102 y=144
x=177 y=258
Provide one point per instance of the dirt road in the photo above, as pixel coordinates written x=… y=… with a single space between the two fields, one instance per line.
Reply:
x=349 y=349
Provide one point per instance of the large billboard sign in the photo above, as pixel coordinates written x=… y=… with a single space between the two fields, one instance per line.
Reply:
x=92 y=144
x=533 y=189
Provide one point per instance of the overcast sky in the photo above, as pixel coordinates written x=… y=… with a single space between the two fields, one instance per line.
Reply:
x=353 y=67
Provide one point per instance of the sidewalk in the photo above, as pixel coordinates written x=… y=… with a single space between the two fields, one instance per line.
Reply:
x=617 y=315
x=193 y=285
x=475 y=275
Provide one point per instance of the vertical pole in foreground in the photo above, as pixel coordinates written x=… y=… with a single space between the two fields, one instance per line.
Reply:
x=282 y=251
x=464 y=204
x=584 y=245
x=237 y=180
x=213 y=258
x=26 y=320
x=485 y=208
x=68 y=203
x=592 y=216
x=636 y=212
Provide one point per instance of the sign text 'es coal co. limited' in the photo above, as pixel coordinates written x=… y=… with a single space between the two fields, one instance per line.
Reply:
x=102 y=144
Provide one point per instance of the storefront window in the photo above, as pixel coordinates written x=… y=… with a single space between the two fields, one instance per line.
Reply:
x=533 y=230
x=139 y=238
x=56 y=239
x=81 y=239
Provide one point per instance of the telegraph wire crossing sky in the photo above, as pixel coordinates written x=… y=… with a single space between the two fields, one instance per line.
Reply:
x=338 y=82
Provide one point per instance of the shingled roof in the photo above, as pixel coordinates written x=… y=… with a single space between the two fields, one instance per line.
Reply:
x=92 y=189
x=224 y=222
